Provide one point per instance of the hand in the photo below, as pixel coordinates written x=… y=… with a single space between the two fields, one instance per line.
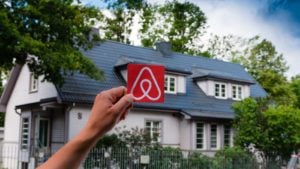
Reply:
x=109 y=108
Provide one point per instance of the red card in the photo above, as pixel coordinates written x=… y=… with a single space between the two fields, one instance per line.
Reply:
x=146 y=82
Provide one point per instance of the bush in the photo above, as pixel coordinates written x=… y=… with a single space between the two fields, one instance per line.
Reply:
x=234 y=158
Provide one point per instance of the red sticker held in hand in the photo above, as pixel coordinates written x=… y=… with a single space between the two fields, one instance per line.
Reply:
x=146 y=82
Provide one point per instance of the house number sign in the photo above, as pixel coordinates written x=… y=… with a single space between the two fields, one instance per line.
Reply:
x=146 y=82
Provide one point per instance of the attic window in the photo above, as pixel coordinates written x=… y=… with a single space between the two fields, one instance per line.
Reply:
x=220 y=90
x=237 y=92
x=170 y=84
x=33 y=83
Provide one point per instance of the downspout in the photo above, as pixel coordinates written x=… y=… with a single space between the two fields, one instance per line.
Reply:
x=16 y=111
x=67 y=120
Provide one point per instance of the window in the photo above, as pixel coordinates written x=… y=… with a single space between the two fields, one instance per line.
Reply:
x=227 y=135
x=199 y=135
x=170 y=84
x=237 y=92
x=33 y=84
x=25 y=133
x=220 y=90
x=213 y=136
x=153 y=128
x=24 y=165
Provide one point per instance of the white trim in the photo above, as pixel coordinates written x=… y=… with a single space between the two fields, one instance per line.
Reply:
x=168 y=77
x=230 y=135
x=220 y=90
x=237 y=92
x=217 y=137
x=28 y=133
x=33 y=83
x=37 y=131
x=160 y=137
x=203 y=136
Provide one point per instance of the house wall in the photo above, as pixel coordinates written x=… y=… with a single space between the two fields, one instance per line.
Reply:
x=20 y=95
x=58 y=130
x=186 y=134
x=135 y=118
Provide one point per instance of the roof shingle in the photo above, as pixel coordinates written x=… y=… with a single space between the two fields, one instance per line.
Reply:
x=108 y=54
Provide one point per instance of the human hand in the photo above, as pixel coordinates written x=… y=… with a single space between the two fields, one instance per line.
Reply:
x=110 y=107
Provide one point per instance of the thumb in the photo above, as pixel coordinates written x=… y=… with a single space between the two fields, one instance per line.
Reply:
x=123 y=104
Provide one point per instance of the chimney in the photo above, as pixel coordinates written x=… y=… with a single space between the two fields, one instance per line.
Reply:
x=165 y=48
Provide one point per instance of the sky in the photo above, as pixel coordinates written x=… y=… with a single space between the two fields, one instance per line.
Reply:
x=274 y=20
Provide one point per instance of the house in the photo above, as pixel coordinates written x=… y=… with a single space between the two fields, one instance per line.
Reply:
x=196 y=114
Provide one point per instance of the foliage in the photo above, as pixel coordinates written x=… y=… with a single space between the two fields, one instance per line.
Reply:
x=235 y=158
x=228 y=47
x=295 y=86
x=2 y=119
x=268 y=68
x=52 y=31
x=273 y=130
x=176 y=22
x=3 y=76
x=118 y=27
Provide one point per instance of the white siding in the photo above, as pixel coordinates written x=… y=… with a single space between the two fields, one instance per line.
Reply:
x=58 y=131
x=170 y=124
x=181 y=83
x=20 y=95
x=185 y=134
x=75 y=123
x=124 y=74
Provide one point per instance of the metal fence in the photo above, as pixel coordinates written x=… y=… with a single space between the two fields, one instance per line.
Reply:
x=124 y=158
x=146 y=158
x=9 y=156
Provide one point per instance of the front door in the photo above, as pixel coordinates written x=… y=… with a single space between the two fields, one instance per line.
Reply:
x=43 y=133
x=42 y=138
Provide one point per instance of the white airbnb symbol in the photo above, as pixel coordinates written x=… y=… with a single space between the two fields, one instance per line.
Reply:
x=146 y=92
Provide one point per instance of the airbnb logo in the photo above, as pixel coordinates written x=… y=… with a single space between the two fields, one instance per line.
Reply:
x=146 y=82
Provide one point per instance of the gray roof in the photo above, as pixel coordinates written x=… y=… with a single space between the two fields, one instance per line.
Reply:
x=109 y=55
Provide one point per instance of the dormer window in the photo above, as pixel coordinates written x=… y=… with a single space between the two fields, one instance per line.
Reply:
x=170 y=84
x=237 y=92
x=220 y=90
x=33 y=83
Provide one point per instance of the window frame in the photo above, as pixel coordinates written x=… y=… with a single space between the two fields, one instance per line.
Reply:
x=160 y=131
x=33 y=80
x=47 y=132
x=217 y=137
x=236 y=92
x=25 y=146
x=230 y=135
x=220 y=90
x=167 y=78
x=203 y=136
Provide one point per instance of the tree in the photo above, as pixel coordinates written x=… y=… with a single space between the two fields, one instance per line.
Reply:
x=268 y=68
x=176 y=22
x=118 y=27
x=295 y=86
x=3 y=76
x=48 y=35
x=273 y=130
x=228 y=47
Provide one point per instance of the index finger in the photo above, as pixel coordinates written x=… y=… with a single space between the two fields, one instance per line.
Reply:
x=117 y=93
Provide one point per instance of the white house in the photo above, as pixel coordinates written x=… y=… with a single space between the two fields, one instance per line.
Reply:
x=196 y=114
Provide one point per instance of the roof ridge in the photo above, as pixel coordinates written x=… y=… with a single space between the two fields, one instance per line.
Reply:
x=183 y=54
